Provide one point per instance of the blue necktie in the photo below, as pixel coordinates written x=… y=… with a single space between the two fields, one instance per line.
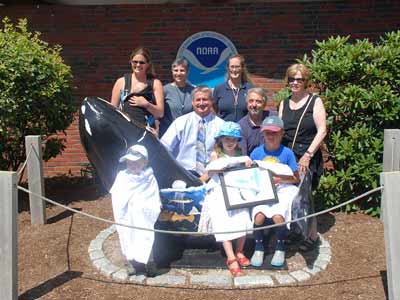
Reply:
x=201 y=147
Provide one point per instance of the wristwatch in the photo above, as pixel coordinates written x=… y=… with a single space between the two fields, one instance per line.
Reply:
x=309 y=153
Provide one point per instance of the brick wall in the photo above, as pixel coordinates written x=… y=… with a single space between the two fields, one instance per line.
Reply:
x=97 y=40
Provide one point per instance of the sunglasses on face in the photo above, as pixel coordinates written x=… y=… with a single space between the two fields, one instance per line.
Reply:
x=293 y=79
x=140 y=62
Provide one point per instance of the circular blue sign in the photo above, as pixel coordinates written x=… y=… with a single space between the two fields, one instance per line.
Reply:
x=207 y=53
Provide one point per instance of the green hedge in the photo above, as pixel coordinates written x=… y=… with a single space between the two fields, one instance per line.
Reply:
x=35 y=93
x=360 y=85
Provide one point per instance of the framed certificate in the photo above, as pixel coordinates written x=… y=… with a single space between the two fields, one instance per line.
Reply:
x=247 y=187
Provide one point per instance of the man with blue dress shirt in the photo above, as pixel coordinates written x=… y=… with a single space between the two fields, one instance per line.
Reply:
x=181 y=137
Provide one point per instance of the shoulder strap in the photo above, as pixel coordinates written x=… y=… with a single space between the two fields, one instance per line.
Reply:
x=128 y=77
x=283 y=104
x=150 y=82
x=309 y=100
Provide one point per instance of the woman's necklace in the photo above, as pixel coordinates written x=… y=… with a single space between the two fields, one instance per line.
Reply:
x=181 y=101
x=235 y=93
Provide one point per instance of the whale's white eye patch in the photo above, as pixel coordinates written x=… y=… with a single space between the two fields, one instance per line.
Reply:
x=83 y=109
x=87 y=127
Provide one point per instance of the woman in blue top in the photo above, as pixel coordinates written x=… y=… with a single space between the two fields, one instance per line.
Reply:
x=230 y=96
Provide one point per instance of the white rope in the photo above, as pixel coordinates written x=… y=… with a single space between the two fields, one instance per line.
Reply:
x=195 y=233
x=21 y=170
x=32 y=149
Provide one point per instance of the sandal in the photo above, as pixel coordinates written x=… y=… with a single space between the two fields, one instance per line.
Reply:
x=309 y=245
x=235 y=271
x=243 y=260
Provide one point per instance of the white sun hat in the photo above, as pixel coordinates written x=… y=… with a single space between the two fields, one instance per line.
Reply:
x=134 y=153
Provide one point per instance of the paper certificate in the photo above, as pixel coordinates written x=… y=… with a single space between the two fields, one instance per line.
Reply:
x=247 y=187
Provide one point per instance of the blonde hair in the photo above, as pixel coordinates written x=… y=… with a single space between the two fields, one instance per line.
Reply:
x=146 y=54
x=305 y=73
x=245 y=77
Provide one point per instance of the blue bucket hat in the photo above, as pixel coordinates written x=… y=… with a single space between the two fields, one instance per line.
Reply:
x=231 y=129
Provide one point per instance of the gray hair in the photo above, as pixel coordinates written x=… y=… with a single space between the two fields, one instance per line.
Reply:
x=203 y=89
x=180 y=62
x=259 y=91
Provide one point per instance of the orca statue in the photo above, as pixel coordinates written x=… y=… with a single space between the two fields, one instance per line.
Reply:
x=106 y=133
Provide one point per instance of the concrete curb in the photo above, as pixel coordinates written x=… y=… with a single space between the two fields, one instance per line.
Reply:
x=217 y=279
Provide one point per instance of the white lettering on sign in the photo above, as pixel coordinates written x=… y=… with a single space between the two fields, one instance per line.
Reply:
x=206 y=50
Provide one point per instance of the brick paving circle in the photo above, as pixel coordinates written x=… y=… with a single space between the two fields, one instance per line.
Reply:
x=105 y=254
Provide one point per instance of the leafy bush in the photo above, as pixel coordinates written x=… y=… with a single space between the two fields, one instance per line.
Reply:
x=360 y=86
x=35 y=94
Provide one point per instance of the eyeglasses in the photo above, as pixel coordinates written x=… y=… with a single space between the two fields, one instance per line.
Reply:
x=293 y=79
x=140 y=62
x=235 y=67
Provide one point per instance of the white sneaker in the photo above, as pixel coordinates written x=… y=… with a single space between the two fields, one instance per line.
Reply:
x=257 y=258
x=278 y=260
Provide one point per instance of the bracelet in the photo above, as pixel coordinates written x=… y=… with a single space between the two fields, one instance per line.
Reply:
x=309 y=153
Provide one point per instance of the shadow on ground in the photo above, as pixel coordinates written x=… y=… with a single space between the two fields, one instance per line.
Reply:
x=49 y=285
x=64 y=190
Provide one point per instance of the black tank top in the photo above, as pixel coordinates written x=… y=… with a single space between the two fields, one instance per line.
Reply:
x=139 y=114
x=307 y=129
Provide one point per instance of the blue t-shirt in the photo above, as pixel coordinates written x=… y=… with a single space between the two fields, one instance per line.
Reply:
x=282 y=155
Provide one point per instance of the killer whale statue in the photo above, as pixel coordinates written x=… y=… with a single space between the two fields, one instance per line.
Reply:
x=106 y=133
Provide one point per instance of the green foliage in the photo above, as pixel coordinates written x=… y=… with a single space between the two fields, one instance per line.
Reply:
x=282 y=94
x=35 y=93
x=360 y=86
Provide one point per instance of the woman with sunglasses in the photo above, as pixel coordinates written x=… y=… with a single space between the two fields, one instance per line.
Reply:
x=177 y=94
x=304 y=116
x=139 y=93
x=230 y=96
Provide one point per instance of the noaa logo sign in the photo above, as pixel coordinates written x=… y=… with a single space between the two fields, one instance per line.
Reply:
x=207 y=53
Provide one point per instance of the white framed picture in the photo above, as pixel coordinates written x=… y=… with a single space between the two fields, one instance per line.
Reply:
x=247 y=187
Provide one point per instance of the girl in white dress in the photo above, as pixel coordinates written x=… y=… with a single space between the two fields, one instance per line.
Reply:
x=222 y=220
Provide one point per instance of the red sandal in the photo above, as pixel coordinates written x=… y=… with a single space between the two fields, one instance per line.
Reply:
x=235 y=271
x=243 y=261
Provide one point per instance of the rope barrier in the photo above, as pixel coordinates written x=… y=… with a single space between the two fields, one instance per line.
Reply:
x=21 y=170
x=195 y=233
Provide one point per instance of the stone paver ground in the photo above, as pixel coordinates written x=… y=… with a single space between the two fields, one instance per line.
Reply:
x=106 y=256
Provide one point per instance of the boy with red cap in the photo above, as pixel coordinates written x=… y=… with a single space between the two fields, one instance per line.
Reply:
x=273 y=151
